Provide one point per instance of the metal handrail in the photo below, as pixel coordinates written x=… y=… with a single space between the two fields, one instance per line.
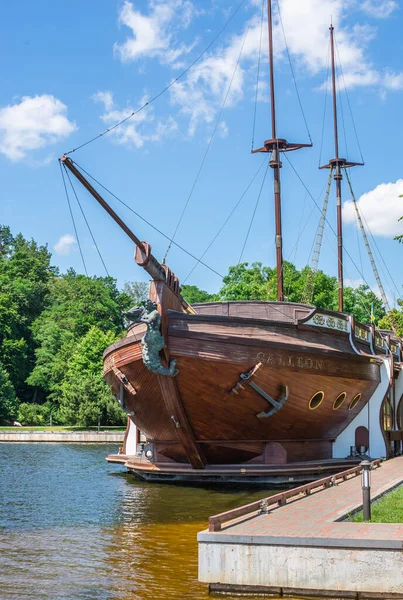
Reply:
x=216 y=521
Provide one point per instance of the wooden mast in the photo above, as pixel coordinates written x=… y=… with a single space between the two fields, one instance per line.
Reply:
x=275 y=146
x=337 y=177
x=275 y=164
x=338 y=164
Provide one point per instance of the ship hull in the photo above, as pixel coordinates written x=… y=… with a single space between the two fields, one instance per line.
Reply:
x=213 y=412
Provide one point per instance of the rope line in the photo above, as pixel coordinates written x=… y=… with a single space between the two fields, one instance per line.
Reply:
x=258 y=76
x=327 y=221
x=342 y=119
x=148 y=222
x=72 y=218
x=379 y=253
x=385 y=269
x=293 y=73
x=254 y=213
x=367 y=245
x=227 y=219
x=348 y=102
x=166 y=88
x=207 y=149
x=325 y=106
x=86 y=221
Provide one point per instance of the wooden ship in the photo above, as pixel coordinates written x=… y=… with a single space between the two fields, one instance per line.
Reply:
x=272 y=392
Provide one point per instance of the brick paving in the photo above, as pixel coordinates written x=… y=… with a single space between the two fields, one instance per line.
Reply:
x=317 y=516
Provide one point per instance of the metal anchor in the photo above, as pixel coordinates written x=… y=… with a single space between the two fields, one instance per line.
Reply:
x=276 y=404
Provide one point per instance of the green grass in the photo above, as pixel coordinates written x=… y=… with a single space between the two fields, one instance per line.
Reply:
x=67 y=428
x=389 y=509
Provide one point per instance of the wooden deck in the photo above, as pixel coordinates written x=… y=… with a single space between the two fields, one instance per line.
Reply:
x=312 y=533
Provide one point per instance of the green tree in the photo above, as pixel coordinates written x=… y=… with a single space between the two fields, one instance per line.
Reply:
x=84 y=395
x=257 y=282
x=358 y=302
x=25 y=273
x=248 y=283
x=82 y=312
x=393 y=320
x=8 y=399
x=76 y=303
x=137 y=291
x=194 y=295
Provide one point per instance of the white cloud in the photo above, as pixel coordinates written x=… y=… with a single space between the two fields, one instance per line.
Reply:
x=393 y=81
x=380 y=9
x=199 y=96
x=381 y=208
x=152 y=34
x=65 y=245
x=31 y=124
x=307 y=29
x=106 y=98
x=140 y=128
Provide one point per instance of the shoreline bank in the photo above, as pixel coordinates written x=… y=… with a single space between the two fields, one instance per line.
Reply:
x=80 y=437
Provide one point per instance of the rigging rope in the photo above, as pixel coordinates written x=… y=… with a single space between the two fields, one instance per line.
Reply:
x=381 y=256
x=257 y=76
x=72 y=218
x=358 y=240
x=292 y=71
x=311 y=276
x=148 y=222
x=368 y=247
x=348 y=101
x=86 y=221
x=301 y=229
x=342 y=119
x=308 y=220
x=227 y=219
x=330 y=225
x=254 y=213
x=324 y=109
x=166 y=88
x=207 y=149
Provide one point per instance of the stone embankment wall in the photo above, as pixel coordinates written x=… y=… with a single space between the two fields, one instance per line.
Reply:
x=81 y=437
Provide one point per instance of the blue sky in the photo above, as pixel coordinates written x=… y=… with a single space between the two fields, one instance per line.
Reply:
x=70 y=72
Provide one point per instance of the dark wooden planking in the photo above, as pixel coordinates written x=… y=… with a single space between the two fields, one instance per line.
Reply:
x=277 y=311
x=247 y=356
x=177 y=413
x=150 y=412
x=244 y=331
x=214 y=413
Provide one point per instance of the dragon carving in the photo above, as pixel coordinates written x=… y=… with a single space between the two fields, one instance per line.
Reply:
x=152 y=342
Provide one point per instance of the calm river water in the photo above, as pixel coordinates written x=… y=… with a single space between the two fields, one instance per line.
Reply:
x=73 y=527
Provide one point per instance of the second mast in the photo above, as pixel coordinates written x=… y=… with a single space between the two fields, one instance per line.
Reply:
x=275 y=146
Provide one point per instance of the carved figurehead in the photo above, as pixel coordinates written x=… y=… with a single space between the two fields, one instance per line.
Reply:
x=153 y=342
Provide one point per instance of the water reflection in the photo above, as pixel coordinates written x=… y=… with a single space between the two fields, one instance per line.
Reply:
x=74 y=527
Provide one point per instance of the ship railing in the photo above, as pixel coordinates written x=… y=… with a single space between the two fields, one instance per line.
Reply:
x=216 y=522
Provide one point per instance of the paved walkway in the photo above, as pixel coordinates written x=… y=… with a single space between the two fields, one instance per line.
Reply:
x=309 y=520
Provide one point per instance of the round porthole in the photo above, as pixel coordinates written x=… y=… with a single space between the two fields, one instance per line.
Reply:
x=354 y=401
x=339 y=400
x=316 y=400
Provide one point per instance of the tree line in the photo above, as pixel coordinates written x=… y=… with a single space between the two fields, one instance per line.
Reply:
x=55 y=326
